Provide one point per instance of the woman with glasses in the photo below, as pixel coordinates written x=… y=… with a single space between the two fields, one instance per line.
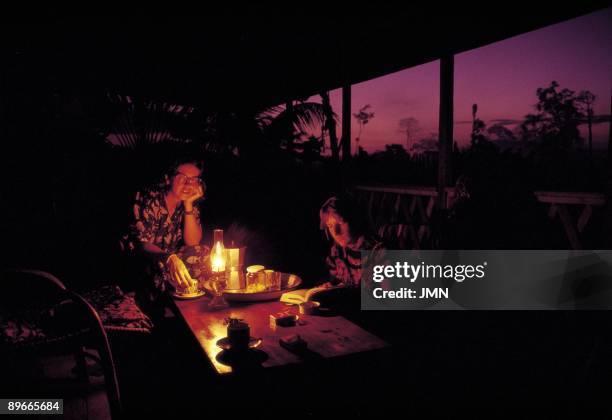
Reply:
x=166 y=219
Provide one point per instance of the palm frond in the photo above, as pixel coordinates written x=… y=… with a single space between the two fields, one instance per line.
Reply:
x=141 y=122
x=301 y=116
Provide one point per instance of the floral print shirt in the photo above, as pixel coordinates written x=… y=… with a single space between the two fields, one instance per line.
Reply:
x=344 y=263
x=152 y=223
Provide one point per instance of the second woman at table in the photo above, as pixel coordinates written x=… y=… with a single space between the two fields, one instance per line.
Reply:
x=342 y=221
x=344 y=224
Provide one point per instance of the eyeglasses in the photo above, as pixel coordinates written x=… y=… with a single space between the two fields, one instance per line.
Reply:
x=189 y=180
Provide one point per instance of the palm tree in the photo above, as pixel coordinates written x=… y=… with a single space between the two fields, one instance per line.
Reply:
x=137 y=122
x=363 y=117
x=330 y=125
x=283 y=126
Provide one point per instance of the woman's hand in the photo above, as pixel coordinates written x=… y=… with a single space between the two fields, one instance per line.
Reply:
x=198 y=193
x=179 y=275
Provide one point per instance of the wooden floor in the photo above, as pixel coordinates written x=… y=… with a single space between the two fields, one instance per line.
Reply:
x=82 y=400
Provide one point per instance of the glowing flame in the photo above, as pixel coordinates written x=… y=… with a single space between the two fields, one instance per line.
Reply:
x=218 y=257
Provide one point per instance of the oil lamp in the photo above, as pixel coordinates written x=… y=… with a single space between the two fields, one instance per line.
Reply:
x=217 y=265
x=217 y=258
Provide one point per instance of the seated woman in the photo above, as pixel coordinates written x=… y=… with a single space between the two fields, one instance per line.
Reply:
x=342 y=220
x=165 y=221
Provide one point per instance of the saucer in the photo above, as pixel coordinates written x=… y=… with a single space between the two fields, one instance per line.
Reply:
x=225 y=344
x=250 y=359
x=189 y=295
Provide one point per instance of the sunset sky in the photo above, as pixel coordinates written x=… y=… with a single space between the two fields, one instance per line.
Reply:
x=501 y=78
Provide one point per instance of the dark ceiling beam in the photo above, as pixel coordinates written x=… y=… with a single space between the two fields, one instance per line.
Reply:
x=250 y=62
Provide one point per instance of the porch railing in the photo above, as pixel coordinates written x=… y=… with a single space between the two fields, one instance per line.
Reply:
x=409 y=209
x=563 y=204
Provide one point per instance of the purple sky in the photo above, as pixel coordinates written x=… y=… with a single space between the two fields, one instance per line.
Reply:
x=501 y=78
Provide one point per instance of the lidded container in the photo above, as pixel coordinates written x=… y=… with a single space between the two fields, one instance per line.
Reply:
x=255 y=278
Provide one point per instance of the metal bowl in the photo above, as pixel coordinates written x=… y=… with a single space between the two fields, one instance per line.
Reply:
x=288 y=282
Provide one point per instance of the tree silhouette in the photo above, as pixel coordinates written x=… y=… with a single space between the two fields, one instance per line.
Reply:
x=310 y=148
x=138 y=122
x=362 y=117
x=428 y=144
x=558 y=117
x=499 y=132
x=585 y=101
x=284 y=127
x=409 y=126
x=478 y=127
x=330 y=125
x=395 y=151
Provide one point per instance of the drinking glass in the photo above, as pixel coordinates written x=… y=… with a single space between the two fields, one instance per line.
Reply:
x=218 y=285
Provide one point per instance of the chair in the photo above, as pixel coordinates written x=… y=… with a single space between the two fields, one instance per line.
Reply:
x=399 y=236
x=39 y=316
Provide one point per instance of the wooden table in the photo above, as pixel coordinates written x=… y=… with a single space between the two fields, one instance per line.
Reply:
x=327 y=336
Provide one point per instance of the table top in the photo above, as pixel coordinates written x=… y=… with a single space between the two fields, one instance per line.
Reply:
x=327 y=336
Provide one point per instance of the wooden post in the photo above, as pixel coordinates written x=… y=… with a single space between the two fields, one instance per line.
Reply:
x=610 y=134
x=607 y=228
x=289 y=110
x=445 y=129
x=346 y=122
